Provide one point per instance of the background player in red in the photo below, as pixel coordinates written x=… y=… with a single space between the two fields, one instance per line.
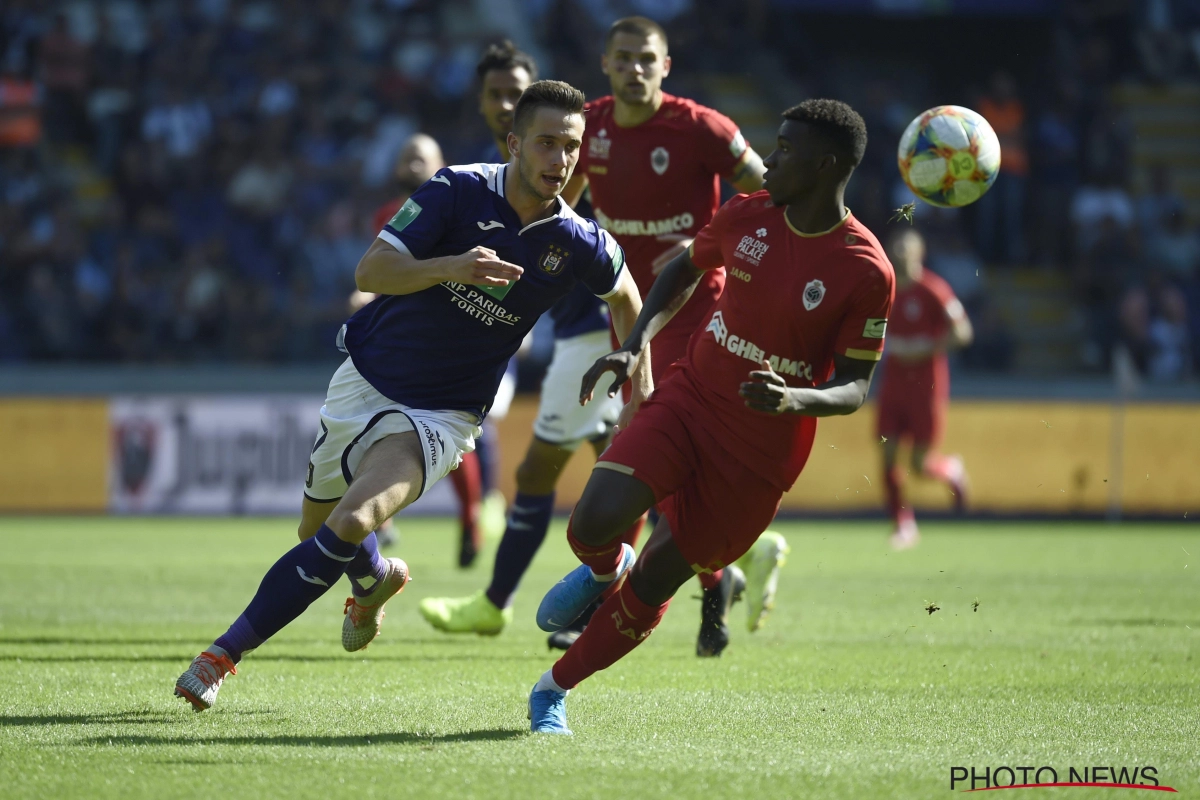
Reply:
x=654 y=164
x=928 y=321
x=796 y=335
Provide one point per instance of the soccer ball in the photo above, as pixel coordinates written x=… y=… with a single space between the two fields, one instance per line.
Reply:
x=949 y=156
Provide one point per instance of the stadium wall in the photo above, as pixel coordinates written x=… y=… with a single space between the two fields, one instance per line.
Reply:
x=245 y=454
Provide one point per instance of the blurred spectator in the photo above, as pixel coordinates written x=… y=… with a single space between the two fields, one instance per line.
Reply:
x=1154 y=328
x=1104 y=268
x=1156 y=205
x=20 y=111
x=65 y=74
x=1095 y=206
x=1175 y=248
x=1001 y=212
x=260 y=188
x=1056 y=145
x=181 y=125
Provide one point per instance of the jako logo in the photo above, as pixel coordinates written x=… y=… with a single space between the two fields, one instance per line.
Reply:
x=975 y=779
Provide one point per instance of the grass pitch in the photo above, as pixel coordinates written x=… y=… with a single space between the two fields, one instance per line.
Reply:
x=1084 y=650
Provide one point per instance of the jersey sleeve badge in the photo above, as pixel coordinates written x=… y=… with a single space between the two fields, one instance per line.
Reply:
x=553 y=259
x=404 y=217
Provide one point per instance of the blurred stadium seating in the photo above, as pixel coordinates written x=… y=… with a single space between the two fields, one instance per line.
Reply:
x=188 y=185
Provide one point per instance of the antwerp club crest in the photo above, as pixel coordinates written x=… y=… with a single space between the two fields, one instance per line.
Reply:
x=814 y=293
x=660 y=159
x=553 y=260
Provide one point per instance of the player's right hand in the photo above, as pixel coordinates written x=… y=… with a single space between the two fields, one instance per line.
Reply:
x=621 y=363
x=480 y=266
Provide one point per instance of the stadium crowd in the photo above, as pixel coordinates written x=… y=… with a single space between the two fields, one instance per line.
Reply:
x=195 y=180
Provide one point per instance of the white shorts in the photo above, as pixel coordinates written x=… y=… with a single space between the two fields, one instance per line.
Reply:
x=561 y=420
x=355 y=416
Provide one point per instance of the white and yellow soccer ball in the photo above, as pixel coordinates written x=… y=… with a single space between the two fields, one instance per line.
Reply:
x=949 y=156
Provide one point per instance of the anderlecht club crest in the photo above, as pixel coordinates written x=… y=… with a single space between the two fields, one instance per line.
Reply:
x=554 y=259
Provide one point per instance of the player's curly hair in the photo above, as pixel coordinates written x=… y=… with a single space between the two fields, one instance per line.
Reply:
x=838 y=122
x=505 y=55
x=546 y=94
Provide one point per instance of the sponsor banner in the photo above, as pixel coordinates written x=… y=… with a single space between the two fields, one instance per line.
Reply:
x=55 y=452
x=230 y=454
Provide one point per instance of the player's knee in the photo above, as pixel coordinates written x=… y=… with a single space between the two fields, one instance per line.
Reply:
x=355 y=523
x=596 y=523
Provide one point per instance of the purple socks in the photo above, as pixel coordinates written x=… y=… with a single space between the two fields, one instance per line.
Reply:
x=303 y=574
x=528 y=520
x=368 y=567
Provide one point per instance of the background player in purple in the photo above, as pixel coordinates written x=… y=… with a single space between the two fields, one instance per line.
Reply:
x=462 y=271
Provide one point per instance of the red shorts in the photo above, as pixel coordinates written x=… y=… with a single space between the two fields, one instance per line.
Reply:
x=716 y=507
x=921 y=419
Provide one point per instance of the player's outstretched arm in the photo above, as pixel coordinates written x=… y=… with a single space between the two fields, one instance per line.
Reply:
x=386 y=270
x=670 y=291
x=766 y=390
x=625 y=306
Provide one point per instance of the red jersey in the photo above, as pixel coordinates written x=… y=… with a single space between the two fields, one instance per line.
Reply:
x=794 y=299
x=925 y=309
x=660 y=177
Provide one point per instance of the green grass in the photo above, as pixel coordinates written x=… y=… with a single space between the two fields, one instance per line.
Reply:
x=1084 y=651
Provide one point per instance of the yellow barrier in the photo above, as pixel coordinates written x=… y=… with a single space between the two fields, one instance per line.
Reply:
x=1035 y=456
x=54 y=455
x=1041 y=457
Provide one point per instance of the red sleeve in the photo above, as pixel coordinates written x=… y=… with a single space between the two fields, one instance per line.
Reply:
x=722 y=146
x=946 y=298
x=705 y=250
x=862 y=330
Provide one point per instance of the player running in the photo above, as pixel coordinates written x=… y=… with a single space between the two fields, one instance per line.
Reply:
x=463 y=270
x=929 y=320
x=654 y=163
x=581 y=332
x=796 y=335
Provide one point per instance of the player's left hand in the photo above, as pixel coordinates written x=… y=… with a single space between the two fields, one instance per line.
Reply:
x=621 y=363
x=681 y=244
x=766 y=391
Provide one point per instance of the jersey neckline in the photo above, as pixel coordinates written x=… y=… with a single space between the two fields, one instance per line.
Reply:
x=825 y=232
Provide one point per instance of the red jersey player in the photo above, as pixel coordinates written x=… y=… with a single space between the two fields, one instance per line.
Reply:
x=654 y=164
x=796 y=335
x=929 y=320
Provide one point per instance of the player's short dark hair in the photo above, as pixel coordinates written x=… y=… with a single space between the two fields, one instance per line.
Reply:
x=639 y=26
x=505 y=55
x=837 y=122
x=546 y=94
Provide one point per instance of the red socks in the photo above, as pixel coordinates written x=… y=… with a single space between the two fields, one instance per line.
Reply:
x=895 y=497
x=710 y=580
x=617 y=627
x=469 y=487
x=602 y=560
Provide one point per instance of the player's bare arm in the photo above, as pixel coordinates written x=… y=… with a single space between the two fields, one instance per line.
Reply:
x=625 y=307
x=386 y=270
x=668 y=294
x=767 y=391
x=748 y=174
